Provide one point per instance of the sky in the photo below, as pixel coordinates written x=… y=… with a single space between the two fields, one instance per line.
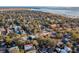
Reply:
x=65 y=3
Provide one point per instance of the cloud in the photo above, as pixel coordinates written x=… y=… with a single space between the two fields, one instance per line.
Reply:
x=39 y=3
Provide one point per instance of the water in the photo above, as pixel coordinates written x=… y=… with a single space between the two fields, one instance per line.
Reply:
x=69 y=11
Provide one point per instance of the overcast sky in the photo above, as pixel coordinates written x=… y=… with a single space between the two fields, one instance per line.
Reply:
x=39 y=3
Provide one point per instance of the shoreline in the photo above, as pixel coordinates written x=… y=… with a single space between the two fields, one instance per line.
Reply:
x=64 y=15
x=13 y=9
x=30 y=9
